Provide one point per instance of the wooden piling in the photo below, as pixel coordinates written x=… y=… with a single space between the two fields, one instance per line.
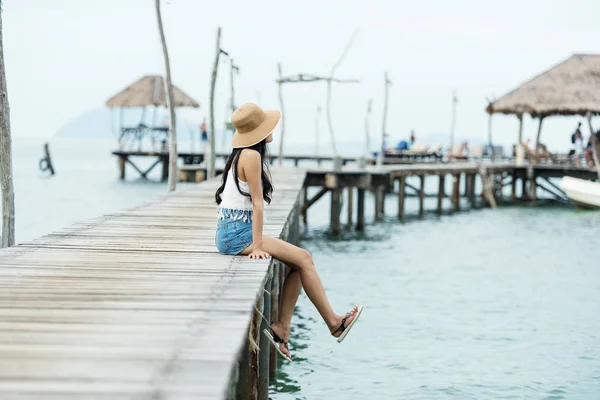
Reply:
x=379 y=199
x=524 y=194
x=304 y=203
x=165 y=168
x=441 y=192
x=275 y=290
x=264 y=354
x=350 y=204
x=456 y=192
x=471 y=192
x=422 y=195
x=122 y=164
x=360 y=210
x=335 y=210
x=513 y=186
x=401 y=196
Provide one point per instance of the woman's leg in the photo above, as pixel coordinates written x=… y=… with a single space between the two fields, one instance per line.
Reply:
x=289 y=296
x=301 y=260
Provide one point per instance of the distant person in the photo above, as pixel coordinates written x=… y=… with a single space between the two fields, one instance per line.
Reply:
x=203 y=135
x=412 y=139
x=578 y=148
x=246 y=187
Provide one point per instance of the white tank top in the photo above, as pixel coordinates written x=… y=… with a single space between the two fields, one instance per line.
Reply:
x=231 y=197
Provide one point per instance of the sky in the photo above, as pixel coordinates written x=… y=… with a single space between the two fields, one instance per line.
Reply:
x=66 y=57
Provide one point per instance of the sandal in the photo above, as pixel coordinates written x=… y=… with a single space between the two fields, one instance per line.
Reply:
x=276 y=341
x=345 y=329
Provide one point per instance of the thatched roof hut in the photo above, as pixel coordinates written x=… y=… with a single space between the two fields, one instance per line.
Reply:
x=570 y=88
x=149 y=91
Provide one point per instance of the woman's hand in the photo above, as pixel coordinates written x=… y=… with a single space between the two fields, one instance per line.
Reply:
x=259 y=254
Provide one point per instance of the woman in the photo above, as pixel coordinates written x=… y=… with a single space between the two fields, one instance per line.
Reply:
x=246 y=186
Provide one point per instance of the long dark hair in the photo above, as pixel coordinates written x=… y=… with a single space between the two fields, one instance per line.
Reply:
x=232 y=162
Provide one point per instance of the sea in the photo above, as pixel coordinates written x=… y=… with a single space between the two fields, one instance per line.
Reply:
x=476 y=304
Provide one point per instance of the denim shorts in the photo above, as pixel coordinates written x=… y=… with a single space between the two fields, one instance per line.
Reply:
x=233 y=236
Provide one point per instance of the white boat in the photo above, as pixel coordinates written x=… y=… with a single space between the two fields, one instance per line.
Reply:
x=581 y=192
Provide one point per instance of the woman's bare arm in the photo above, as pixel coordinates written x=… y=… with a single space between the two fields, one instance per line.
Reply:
x=251 y=164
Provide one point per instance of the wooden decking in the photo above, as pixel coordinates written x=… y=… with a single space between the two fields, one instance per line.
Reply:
x=133 y=305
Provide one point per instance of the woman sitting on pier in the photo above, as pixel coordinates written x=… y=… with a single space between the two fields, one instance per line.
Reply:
x=246 y=187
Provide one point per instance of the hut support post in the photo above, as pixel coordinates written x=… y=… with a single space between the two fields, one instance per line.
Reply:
x=122 y=166
x=441 y=190
x=537 y=140
x=595 y=145
x=401 y=196
x=360 y=210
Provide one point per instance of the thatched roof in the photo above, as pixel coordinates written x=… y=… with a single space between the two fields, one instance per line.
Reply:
x=149 y=91
x=570 y=88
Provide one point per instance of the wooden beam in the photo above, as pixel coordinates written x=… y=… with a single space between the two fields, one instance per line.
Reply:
x=315 y=198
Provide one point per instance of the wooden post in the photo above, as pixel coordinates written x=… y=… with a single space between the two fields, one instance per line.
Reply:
x=6 y=174
x=317 y=133
x=335 y=210
x=532 y=183
x=122 y=165
x=275 y=290
x=456 y=192
x=367 y=135
x=210 y=160
x=379 y=199
x=491 y=144
x=488 y=192
x=170 y=105
x=537 y=140
x=453 y=122
x=422 y=195
x=401 y=196
x=265 y=347
x=305 y=201
x=282 y=121
x=350 y=204
x=513 y=186
x=441 y=192
x=243 y=389
x=381 y=153
x=46 y=162
x=524 y=193
x=165 y=168
x=595 y=145
x=360 y=211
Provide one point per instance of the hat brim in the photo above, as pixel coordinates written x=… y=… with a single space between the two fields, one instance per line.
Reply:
x=261 y=132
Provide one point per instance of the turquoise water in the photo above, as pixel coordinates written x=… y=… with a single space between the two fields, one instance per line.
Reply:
x=483 y=304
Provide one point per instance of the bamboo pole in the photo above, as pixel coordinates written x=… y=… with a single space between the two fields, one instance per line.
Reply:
x=317 y=133
x=380 y=155
x=453 y=122
x=170 y=105
x=595 y=144
x=210 y=160
x=329 y=81
x=367 y=127
x=6 y=175
x=282 y=123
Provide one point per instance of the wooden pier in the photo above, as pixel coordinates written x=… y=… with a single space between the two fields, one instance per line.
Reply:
x=139 y=304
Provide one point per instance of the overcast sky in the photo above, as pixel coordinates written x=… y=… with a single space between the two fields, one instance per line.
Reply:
x=66 y=57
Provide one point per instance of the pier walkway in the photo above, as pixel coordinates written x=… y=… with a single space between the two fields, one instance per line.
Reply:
x=139 y=304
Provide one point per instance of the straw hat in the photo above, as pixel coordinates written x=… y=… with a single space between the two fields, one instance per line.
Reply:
x=252 y=124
